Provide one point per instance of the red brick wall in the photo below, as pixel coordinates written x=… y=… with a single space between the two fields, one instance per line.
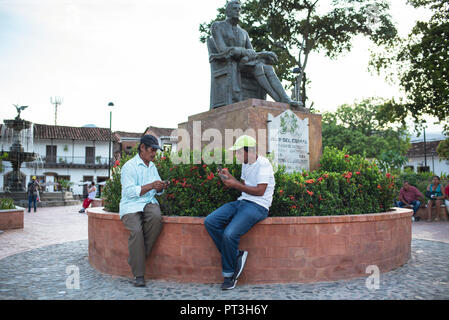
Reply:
x=281 y=249
x=11 y=219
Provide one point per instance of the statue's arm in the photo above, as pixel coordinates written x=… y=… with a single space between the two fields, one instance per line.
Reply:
x=217 y=35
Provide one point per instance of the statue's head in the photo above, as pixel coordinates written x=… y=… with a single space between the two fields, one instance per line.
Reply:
x=233 y=9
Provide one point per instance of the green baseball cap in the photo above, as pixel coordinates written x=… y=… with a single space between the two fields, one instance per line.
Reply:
x=243 y=141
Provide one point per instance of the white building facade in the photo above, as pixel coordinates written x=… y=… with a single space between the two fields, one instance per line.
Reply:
x=76 y=154
x=425 y=158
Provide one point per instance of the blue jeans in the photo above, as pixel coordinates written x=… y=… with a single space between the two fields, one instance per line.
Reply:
x=227 y=224
x=31 y=198
x=416 y=204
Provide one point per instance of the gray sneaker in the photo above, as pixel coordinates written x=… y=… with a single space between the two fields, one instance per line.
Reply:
x=241 y=260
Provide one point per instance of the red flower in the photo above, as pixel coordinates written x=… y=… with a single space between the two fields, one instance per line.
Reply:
x=310 y=181
x=210 y=176
x=117 y=163
x=292 y=198
x=388 y=175
x=346 y=156
x=379 y=187
x=348 y=175
x=204 y=166
x=320 y=179
x=281 y=191
x=293 y=207
x=357 y=172
x=310 y=193
x=326 y=175
x=163 y=158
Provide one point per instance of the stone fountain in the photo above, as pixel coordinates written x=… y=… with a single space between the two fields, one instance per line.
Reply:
x=16 y=155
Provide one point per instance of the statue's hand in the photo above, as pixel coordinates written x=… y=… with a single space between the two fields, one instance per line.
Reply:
x=251 y=54
x=270 y=57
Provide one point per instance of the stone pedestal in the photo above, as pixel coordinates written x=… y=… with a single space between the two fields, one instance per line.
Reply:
x=250 y=117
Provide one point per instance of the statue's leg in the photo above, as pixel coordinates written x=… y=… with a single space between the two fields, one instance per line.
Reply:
x=276 y=83
x=259 y=73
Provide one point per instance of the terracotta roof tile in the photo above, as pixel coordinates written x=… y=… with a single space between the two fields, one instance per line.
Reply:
x=417 y=149
x=43 y=131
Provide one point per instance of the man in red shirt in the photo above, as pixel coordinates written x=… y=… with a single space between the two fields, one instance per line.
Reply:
x=408 y=197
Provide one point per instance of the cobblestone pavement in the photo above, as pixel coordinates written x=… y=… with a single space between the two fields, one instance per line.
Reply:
x=53 y=251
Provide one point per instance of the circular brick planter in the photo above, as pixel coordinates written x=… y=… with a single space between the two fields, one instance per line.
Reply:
x=11 y=218
x=281 y=249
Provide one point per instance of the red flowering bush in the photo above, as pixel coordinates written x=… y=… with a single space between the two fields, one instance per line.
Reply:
x=344 y=184
x=195 y=189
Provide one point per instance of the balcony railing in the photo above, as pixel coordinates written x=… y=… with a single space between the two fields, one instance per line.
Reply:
x=71 y=162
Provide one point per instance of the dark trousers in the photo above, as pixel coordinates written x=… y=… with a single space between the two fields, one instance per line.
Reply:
x=32 y=199
x=144 y=228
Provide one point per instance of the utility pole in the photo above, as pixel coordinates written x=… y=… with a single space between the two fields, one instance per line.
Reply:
x=56 y=101
x=425 y=151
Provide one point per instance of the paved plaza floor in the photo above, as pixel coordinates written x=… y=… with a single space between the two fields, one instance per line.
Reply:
x=40 y=261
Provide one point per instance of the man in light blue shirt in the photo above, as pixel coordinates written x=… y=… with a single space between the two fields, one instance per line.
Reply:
x=139 y=209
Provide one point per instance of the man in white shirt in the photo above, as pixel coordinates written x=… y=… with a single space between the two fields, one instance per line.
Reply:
x=230 y=222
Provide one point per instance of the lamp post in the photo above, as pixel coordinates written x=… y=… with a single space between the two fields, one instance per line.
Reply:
x=110 y=137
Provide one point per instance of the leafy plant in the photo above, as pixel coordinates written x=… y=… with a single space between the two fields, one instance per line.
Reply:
x=344 y=184
x=6 y=204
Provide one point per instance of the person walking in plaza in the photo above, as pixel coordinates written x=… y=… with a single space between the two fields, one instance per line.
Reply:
x=409 y=197
x=32 y=191
x=227 y=224
x=434 y=192
x=91 y=194
x=139 y=209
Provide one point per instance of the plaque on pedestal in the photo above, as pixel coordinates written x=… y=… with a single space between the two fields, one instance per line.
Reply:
x=220 y=127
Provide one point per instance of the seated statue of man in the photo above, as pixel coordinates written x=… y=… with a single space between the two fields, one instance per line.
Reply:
x=230 y=38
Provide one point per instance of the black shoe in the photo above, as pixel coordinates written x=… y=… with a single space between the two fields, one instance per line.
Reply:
x=229 y=283
x=241 y=260
x=417 y=218
x=139 y=282
x=81 y=211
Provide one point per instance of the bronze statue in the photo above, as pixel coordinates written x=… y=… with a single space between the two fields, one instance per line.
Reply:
x=231 y=41
x=19 y=110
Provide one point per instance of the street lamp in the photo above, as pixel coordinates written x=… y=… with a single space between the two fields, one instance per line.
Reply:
x=110 y=137
x=297 y=70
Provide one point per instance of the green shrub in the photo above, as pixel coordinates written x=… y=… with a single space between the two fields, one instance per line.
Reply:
x=6 y=204
x=344 y=184
x=112 y=190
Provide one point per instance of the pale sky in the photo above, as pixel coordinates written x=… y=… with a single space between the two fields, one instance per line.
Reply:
x=145 y=57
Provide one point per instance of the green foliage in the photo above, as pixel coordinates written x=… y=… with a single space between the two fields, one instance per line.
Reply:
x=195 y=189
x=6 y=204
x=295 y=28
x=443 y=149
x=112 y=190
x=345 y=184
x=65 y=184
x=361 y=129
x=421 y=64
x=390 y=160
x=3 y=156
